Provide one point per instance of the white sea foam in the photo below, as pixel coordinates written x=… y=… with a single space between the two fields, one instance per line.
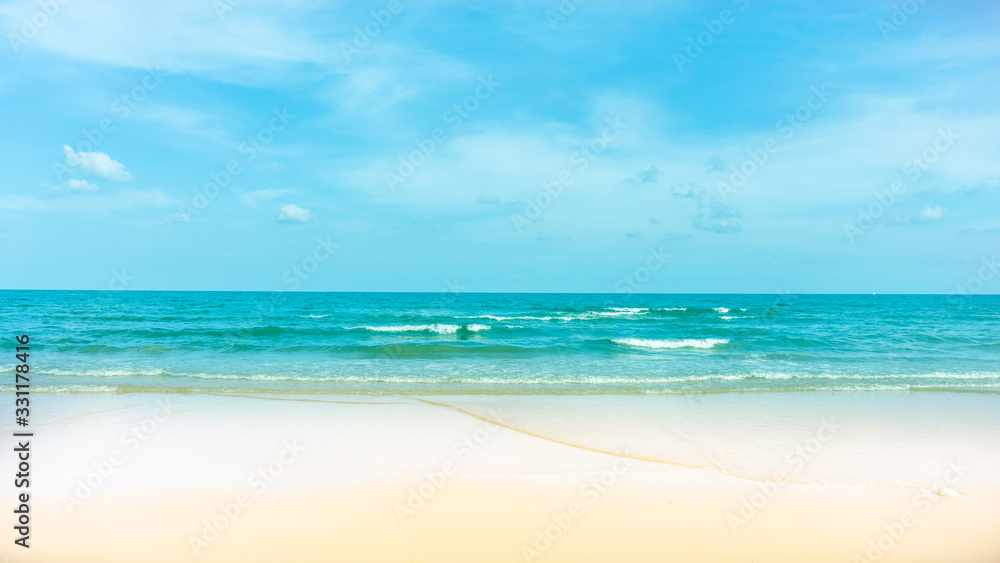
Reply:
x=833 y=382
x=106 y=372
x=661 y=344
x=521 y=318
x=65 y=389
x=722 y=310
x=615 y=312
x=438 y=328
x=586 y=315
x=984 y=379
x=313 y=316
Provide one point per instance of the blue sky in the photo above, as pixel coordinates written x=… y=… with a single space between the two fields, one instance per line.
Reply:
x=733 y=146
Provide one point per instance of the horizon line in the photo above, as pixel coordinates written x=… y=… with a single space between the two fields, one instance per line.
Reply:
x=491 y=292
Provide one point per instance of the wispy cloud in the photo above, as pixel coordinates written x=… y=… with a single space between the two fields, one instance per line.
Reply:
x=202 y=136
x=184 y=36
x=254 y=198
x=647 y=176
x=80 y=185
x=121 y=201
x=710 y=214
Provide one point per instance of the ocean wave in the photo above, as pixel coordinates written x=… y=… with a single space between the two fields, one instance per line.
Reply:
x=824 y=380
x=817 y=378
x=437 y=328
x=614 y=312
x=670 y=344
x=518 y=318
x=313 y=316
x=396 y=388
x=65 y=388
x=104 y=372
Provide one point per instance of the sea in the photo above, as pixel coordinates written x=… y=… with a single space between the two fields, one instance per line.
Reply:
x=500 y=343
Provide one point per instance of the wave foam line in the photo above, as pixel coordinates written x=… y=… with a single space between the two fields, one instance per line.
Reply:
x=670 y=344
x=588 y=315
x=438 y=328
x=805 y=378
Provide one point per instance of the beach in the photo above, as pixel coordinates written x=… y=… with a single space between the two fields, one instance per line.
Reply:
x=500 y=282
x=231 y=426
x=877 y=476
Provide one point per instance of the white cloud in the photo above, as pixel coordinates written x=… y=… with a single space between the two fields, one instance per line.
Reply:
x=97 y=163
x=291 y=213
x=932 y=213
x=253 y=199
x=80 y=185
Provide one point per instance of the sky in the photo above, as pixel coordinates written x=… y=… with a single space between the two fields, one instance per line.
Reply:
x=574 y=145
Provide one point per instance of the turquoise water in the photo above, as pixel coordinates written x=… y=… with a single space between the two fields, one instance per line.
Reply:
x=502 y=343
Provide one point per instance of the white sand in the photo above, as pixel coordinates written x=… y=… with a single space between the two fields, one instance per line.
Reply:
x=761 y=477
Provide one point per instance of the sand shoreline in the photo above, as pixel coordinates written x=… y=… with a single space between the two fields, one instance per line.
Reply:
x=781 y=477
